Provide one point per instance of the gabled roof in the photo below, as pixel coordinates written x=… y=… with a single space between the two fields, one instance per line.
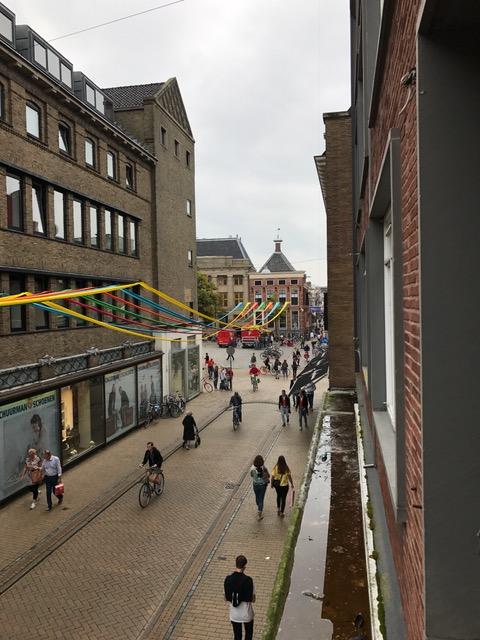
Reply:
x=167 y=94
x=132 y=96
x=277 y=262
x=222 y=247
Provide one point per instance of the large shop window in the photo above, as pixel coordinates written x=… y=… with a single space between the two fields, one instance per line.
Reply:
x=149 y=387
x=18 y=313
x=193 y=368
x=120 y=402
x=82 y=417
x=29 y=423
x=177 y=371
x=14 y=202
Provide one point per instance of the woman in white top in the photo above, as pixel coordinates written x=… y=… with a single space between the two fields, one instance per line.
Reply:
x=32 y=469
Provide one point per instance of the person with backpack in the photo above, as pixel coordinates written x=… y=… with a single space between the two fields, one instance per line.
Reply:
x=240 y=593
x=261 y=477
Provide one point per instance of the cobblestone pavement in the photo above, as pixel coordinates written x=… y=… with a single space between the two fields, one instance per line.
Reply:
x=124 y=572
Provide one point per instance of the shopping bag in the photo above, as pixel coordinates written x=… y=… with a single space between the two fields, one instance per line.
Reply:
x=59 y=489
x=198 y=441
x=292 y=498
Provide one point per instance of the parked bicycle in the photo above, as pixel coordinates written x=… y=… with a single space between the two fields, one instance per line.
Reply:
x=272 y=352
x=170 y=408
x=152 y=483
x=207 y=385
x=154 y=411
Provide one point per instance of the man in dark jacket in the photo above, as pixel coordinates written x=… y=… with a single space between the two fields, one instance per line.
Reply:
x=284 y=406
x=240 y=593
x=152 y=456
x=236 y=403
x=189 y=429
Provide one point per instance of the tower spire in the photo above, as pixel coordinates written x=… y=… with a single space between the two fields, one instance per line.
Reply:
x=278 y=242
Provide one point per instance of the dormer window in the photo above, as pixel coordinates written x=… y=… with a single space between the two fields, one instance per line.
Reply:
x=6 y=27
x=54 y=64
x=40 y=54
x=90 y=94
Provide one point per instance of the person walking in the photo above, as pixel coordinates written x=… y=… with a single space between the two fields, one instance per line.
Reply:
x=276 y=367
x=294 y=367
x=302 y=408
x=223 y=380
x=189 y=430
x=52 y=474
x=215 y=376
x=240 y=593
x=33 y=471
x=284 y=407
x=210 y=367
x=310 y=391
x=207 y=358
x=281 y=479
x=229 y=377
x=261 y=477
x=284 y=368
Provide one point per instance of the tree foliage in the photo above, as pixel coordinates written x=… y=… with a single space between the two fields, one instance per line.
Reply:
x=207 y=295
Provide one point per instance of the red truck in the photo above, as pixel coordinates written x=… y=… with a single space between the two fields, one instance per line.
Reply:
x=250 y=338
x=226 y=337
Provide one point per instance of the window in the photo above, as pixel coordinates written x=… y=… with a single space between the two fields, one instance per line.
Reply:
x=79 y=284
x=41 y=316
x=64 y=138
x=281 y=282
x=108 y=230
x=111 y=165
x=59 y=214
x=54 y=64
x=283 y=321
x=269 y=294
x=66 y=75
x=121 y=233
x=163 y=136
x=62 y=321
x=100 y=101
x=133 y=237
x=33 y=119
x=89 y=152
x=129 y=176
x=6 y=27
x=177 y=148
x=389 y=318
x=90 y=94
x=94 y=241
x=258 y=283
x=222 y=300
x=78 y=221
x=40 y=54
x=238 y=280
x=294 y=297
x=295 y=324
x=238 y=297
x=14 y=202
x=190 y=258
x=18 y=313
x=269 y=282
x=38 y=210
x=282 y=295
x=222 y=281
x=294 y=282
x=187 y=158
x=189 y=207
x=258 y=297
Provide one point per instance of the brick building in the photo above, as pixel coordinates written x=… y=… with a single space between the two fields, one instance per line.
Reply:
x=415 y=181
x=226 y=263
x=278 y=280
x=83 y=202
x=335 y=173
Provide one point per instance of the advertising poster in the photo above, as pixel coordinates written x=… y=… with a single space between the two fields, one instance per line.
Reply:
x=193 y=361
x=149 y=387
x=30 y=423
x=120 y=402
x=177 y=372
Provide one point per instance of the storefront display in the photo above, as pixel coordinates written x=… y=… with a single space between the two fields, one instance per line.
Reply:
x=120 y=402
x=177 y=371
x=193 y=368
x=30 y=423
x=149 y=387
x=82 y=417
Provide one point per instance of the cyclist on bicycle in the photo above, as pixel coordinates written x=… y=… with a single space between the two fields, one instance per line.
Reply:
x=276 y=367
x=254 y=374
x=266 y=362
x=236 y=403
x=153 y=457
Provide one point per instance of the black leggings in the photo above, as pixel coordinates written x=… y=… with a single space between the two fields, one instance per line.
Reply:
x=281 y=497
x=237 y=630
x=34 y=489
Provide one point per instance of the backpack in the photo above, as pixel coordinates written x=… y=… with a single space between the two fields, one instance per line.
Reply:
x=260 y=477
x=238 y=588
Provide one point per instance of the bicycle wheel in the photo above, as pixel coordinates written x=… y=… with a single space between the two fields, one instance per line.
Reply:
x=144 y=494
x=175 y=410
x=164 y=411
x=208 y=387
x=159 y=485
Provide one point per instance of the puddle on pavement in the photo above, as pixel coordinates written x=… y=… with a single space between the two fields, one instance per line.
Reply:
x=302 y=615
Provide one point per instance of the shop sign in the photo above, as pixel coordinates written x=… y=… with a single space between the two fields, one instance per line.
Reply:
x=120 y=402
x=149 y=387
x=30 y=423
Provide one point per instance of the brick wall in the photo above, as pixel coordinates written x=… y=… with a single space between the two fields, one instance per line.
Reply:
x=338 y=204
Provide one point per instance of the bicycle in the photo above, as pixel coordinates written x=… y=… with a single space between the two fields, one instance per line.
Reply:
x=254 y=381
x=235 y=418
x=151 y=485
x=207 y=385
x=170 y=408
x=153 y=413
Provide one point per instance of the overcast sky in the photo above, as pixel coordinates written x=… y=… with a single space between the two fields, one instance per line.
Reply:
x=255 y=76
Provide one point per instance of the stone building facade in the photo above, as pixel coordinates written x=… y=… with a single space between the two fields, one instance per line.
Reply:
x=79 y=207
x=226 y=263
x=278 y=280
x=335 y=172
x=415 y=149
